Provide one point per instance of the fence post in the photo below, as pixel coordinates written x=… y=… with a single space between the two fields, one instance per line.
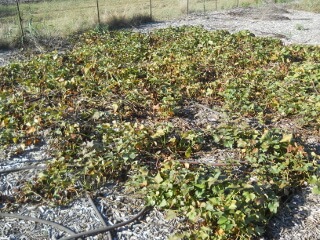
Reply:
x=150 y=5
x=216 y=5
x=237 y=3
x=187 y=7
x=204 y=6
x=98 y=11
x=20 y=21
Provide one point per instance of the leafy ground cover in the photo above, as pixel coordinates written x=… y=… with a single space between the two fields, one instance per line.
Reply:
x=110 y=110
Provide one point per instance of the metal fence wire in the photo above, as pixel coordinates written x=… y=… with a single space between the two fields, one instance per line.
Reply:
x=20 y=19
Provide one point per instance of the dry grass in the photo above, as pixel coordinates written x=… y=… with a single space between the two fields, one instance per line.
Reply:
x=117 y=22
x=61 y=18
x=308 y=5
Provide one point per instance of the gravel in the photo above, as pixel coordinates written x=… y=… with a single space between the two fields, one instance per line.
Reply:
x=299 y=219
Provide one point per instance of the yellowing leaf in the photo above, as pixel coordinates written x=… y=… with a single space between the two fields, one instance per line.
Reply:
x=274 y=57
x=171 y=214
x=115 y=107
x=220 y=232
x=233 y=205
x=286 y=138
x=143 y=184
x=37 y=119
x=160 y=132
x=209 y=92
x=158 y=179
x=97 y=115
x=31 y=130
x=187 y=165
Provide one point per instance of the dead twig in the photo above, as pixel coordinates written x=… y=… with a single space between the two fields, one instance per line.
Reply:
x=314 y=87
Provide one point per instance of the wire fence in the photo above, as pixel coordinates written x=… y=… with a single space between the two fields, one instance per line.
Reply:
x=21 y=19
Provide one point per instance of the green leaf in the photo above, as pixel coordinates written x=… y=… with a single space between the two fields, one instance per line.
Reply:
x=214 y=200
x=209 y=206
x=316 y=189
x=211 y=181
x=132 y=155
x=200 y=185
x=188 y=152
x=163 y=203
x=313 y=179
x=192 y=215
x=249 y=196
x=222 y=220
x=275 y=170
x=273 y=206
x=247 y=185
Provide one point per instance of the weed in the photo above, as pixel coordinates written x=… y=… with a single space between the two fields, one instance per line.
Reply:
x=117 y=22
x=300 y=27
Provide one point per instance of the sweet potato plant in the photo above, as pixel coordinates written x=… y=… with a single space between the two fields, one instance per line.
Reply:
x=109 y=109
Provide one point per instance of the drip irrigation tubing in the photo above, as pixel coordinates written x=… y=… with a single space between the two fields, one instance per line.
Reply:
x=99 y=215
x=231 y=164
x=53 y=224
x=21 y=169
x=108 y=228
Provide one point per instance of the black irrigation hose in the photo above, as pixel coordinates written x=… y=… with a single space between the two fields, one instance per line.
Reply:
x=96 y=210
x=21 y=169
x=53 y=224
x=105 y=229
x=99 y=215
x=213 y=164
x=62 y=228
